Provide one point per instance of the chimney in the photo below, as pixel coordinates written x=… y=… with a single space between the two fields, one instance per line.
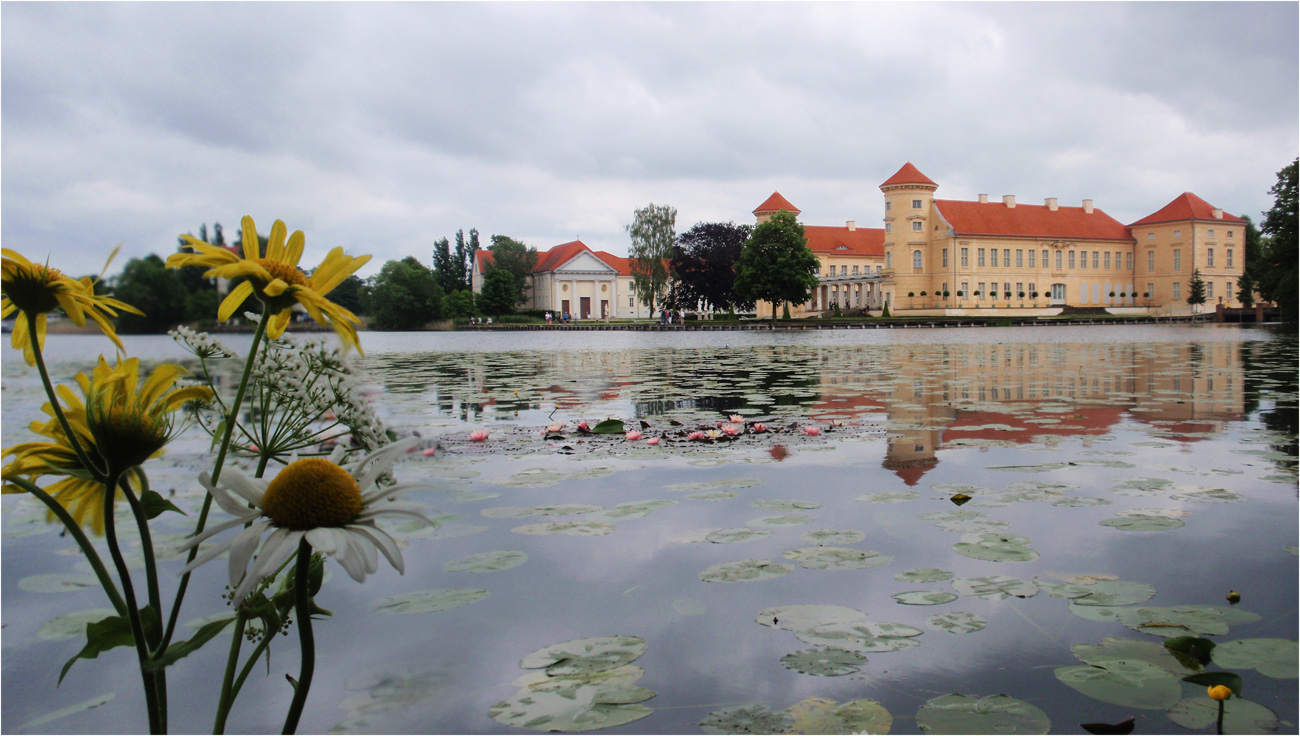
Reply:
x=1051 y=203
x=1087 y=206
x=1218 y=213
x=984 y=199
x=852 y=225
x=1009 y=200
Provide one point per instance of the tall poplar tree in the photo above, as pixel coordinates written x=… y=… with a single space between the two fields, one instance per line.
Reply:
x=652 y=232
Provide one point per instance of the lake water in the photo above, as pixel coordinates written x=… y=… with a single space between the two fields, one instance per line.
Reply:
x=1162 y=457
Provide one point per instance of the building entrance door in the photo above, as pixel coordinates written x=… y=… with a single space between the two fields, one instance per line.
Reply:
x=1058 y=293
x=584 y=305
x=564 y=306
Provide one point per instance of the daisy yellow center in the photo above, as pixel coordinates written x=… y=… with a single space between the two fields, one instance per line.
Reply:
x=283 y=271
x=312 y=493
x=34 y=291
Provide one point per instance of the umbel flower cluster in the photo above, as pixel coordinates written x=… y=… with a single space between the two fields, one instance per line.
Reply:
x=323 y=460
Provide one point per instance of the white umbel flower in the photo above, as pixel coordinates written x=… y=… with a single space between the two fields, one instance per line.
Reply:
x=333 y=506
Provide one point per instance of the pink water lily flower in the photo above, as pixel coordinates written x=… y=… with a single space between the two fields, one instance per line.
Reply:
x=731 y=430
x=652 y=441
x=478 y=435
x=713 y=434
x=633 y=435
x=759 y=427
x=431 y=452
x=556 y=427
x=811 y=430
x=696 y=435
x=583 y=426
x=736 y=419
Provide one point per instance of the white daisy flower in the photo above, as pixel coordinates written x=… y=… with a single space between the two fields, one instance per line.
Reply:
x=334 y=507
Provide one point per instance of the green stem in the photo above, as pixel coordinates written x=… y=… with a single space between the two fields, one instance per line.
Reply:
x=132 y=609
x=146 y=541
x=54 y=402
x=1220 y=718
x=232 y=660
x=302 y=608
x=110 y=588
x=231 y=419
x=248 y=667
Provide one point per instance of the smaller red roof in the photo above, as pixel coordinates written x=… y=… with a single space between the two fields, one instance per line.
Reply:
x=618 y=263
x=484 y=259
x=909 y=174
x=862 y=241
x=776 y=203
x=1186 y=206
x=559 y=255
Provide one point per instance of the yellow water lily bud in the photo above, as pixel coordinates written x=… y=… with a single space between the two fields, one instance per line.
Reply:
x=1233 y=597
x=1219 y=692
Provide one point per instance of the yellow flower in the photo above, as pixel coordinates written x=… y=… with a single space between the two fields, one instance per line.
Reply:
x=120 y=419
x=38 y=289
x=1219 y=692
x=275 y=280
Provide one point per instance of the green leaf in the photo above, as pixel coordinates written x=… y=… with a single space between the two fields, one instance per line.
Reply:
x=111 y=633
x=609 y=426
x=154 y=505
x=1192 y=652
x=1210 y=679
x=180 y=649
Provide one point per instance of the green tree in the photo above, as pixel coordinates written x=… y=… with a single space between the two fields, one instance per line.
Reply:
x=459 y=304
x=348 y=294
x=652 y=248
x=776 y=265
x=704 y=266
x=202 y=291
x=404 y=295
x=1277 y=273
x=517 y=259
x=498 y=295
x=444 y=266
x=1196 y=289
x=148 y=285
x=463 y=261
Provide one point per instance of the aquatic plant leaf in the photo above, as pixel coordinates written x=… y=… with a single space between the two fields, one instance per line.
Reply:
x=889 y=497
x=585 y=656
x=925 y=597
x=831 y=537
x=1080 y=501
x=523 y=512
x=1208 y=495
x=996 y=547
x=923 y=575
x=822 y=715
x=1142 y=523
x=1001 y=714
x=1122 y=727
x=609 y=426
x=570 y=703
x=1130 y=683
x=747 y=719
x=502 y=559
x=964 y=521
x=783 y=520
x=1040 y=468
x=718 y=495
x=994 y=587
x=800 y=617
x=740 y=534
x=957 y=622
x=781 y=504
x=835 y=558
x=1115 y=648
x=1170 y=621
x=628 y=511
x=568 y=529
x=1239 y=716
x=73 y=625
x=1192 y=652
x=824 y=662
x=84 y=705
x=1114 y=593
x=744 y=571
x=58 y=582
x=861 y=636
x=1276 y=658
x=723 y=483
x=429 y=601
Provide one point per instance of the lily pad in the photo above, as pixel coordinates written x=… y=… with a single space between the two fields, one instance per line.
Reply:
x=84 y=705
x=923 y=575
x=586 y=656
x=964 y=521
x=1142 y=523
x=745 y=719
x=780 y=504
x=889 y=497
x=835 y=558
x=797 y=618
x=570 y=703
x=831 y=537
x=1130 y=683
x=429 y=601
x=721 y=494
x=1114 y=648
x=822 y=715
x=523 y=512
x=502 y=559
x=724 y=483
x=957 y=622
x=925 y=597
x=1115 y=593
x=824 y=662
x=568 y=529
x=1239 y=716
x=628 y=511
x=73 y=625
x=745 y=571
x=783 y=520
x=1001 y=714
x=861 y=636
x=741 y=534
x=996 y=547
x=1080 y=501
x=58 y=582
x=1276 y=658
x=994 y=587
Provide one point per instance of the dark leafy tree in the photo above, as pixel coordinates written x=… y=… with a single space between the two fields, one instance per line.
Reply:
x=652 y=232
x=498 y=295
x=776 y=265
x=463 y=260
x=148 y=285
x=444 y=267
x=516 y=258
x=704 y=264
x=459 y=304
x=404 y=295
x=348 y=294
x=1278 y=264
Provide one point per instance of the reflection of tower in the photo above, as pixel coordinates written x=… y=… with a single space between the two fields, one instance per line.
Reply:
x=917 y=417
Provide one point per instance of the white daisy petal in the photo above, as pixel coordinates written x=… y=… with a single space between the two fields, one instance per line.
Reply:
x=224 y=499
x=323 y=539
x=242 y=548
x=214 y=530
x=384 y=543
x=211 y=553
x=250 y=489
x=352 y=563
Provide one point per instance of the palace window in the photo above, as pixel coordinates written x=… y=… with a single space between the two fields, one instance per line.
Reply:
x=1178 y=259
x=1083 y=259
x=889 y=259
x=1151 y=290
x=916 y=259
x=1151 y=260
x=1128 y=261
x=1006 y=288
x=917 y=225
x=1209 y=257
x=1229 y=258
x=1006 y=258
x=888 y=227
x=1107 y=261
x=980 y=292
x=1020 y=258
x=844 y=270
x=945 y=257
x=965 y=257
x=1032 y=289
x=1071 y=259
x=629 y=301
x=1031 y=258
x=1209 y=289
x=1058 y=259
x=1150 y=236
x=889 y=206
x=1229 y=234
x=1095 y=255
x=877 y=269
x=1178 y=233
x=979 y=256
x=1020 y=288
x=855 y=270
x=916 y=204
x=965 y=290
x=1176 y=285
x=1211 y=234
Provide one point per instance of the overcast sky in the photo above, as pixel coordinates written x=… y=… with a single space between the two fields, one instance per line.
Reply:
x=383 y=127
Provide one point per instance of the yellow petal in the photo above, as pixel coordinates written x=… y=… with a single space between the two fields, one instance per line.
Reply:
x=278 y=323
x=275 y=288
x=233 y=300
x=180 y=396
x=293 y=251
x=275 y=244
x=251 y=248
x=159 y=381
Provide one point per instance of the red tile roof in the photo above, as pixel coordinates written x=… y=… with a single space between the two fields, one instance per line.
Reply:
x=618 y=263
x=1186 y=206
x=776 y=203
x=862 y=241
x=909 y=174
x=1030 y=220
x=559 y=255
x=484 y=260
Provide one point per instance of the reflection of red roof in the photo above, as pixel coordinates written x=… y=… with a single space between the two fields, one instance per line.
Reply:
x=912 y=472
x=909 y=174
x=1028 y=220
x=1186 y=206
x=1094 y=421
x=776 y=203
x=841 y=240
